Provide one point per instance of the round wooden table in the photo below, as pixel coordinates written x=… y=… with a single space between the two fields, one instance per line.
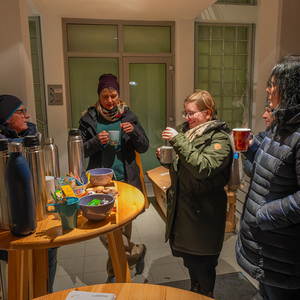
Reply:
x=27 y=256
x=131 y=291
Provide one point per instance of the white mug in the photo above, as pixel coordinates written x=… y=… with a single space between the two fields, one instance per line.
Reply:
x=166 y=156
x=113 y=137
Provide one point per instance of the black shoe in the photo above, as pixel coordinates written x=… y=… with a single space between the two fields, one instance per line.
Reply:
x=195 y=288
x=257 y=296
x=140 y=265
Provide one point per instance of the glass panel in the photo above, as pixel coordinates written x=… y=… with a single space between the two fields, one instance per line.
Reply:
x=229 y=33
x=242 y=47
x=228 y=88
x=216 y=89
x=203 y=47
x=203 y=32
x=217 y=47
x=216 y=75
x=32 y=27
x=227 y=103
x=229 y=75
x=151 y=87
x=229 y=61
x=239 y=115
x=227 y=115
x=92 y=38
x=217 y=32
x=149 y=39
x=84 y=76
x=36 y=76
x=35 y=60
x=203 y=86
x=33 y=44
x=229 y=47
x=241 y=75
x=241 y=88
x=203 y=61
x=218 y=101
x=203 y=74
x=216 y=61
x=37 y=91
x=242 y=33
x=242 y=61
x=38 y=106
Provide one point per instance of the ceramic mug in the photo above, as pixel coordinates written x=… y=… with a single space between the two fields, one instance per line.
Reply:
x=166 y=156
x=68 y=213
x=113 y=137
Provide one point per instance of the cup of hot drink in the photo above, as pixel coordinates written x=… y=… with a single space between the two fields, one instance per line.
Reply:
x=166 y=156
x=241 y=138
x=113 y=137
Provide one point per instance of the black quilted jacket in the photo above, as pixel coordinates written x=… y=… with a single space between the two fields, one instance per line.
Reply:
x=268 y=247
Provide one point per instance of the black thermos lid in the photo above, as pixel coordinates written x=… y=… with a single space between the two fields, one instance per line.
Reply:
x=74 y=132
x=3 y=144
x=31 y=140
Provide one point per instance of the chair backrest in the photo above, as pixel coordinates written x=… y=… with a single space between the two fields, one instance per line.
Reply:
x=139 y=163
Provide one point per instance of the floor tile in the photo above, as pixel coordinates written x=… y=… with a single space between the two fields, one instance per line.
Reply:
x=160 y=256
x=95 y=263
x=67 y=282
x=98 y=277
x=146 y=230
x=154 y=241
x=167 y=272
x=73 y=250
x=95 y=248
x=70 y=265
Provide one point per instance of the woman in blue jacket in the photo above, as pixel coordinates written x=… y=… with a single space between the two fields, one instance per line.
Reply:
x=268 y=247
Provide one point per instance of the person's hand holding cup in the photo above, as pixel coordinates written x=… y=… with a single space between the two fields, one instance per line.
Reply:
x=242 y=139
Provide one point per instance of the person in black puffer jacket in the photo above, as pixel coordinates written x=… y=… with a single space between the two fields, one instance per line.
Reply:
x=268 y=246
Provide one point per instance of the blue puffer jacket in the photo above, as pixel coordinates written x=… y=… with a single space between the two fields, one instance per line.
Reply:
x=268 y=247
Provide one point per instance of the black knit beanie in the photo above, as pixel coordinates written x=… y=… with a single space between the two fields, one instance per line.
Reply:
x=8 y=105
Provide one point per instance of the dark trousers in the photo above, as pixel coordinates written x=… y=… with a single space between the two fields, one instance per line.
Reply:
x=202 y=270
x=275 y=293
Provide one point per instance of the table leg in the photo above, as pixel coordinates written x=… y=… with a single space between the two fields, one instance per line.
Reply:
x=118 y=256
x=39 y=278
x=17 y=275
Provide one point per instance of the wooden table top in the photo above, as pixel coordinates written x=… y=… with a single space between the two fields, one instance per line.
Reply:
x=49 y=233
x=131 y=291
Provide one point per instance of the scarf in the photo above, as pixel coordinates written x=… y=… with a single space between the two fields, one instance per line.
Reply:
x=114 y=114
x=198 y=130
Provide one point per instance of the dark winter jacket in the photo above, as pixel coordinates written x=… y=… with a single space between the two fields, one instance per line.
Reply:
x=248 y=166
x=12 y=135
x=197 y=202
x=134 y=141
x=268 y=247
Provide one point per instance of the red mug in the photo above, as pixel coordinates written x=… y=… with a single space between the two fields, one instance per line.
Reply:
x=241 y=138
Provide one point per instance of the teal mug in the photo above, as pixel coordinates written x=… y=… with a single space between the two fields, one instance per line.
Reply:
x=68 y=213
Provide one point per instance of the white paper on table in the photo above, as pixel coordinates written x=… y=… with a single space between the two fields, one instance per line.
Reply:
x=79 y=295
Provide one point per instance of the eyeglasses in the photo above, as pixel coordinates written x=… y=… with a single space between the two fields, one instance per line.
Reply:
x=22 y=111
x=190 y=114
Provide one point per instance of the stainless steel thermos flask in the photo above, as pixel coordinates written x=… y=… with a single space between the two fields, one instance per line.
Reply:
x=4 y=155
x=75 y=153
x=51 y=158
x=20 y=193
x=34 y=156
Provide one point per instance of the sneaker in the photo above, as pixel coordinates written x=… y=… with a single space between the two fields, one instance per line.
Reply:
x=195 y=288
x=140 y=265
x=257 y=296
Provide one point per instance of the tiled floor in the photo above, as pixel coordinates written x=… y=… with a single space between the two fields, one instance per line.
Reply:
x=85 y=263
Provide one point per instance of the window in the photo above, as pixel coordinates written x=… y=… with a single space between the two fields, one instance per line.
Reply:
x=38 y=78
x=224 y=68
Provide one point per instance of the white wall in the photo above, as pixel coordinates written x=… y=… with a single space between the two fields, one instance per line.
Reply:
x=15 y=58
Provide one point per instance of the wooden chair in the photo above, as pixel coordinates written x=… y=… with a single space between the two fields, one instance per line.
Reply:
x=139 y=163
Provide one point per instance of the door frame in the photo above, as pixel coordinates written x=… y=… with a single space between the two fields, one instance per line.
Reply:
x=168 y=61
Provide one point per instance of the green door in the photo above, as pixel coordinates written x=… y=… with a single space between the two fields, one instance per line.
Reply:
x=148 y=93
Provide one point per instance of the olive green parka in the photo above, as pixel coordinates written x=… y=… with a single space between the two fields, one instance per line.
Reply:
x=196 y=200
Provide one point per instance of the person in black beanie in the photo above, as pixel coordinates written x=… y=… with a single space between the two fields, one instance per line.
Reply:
x=13 y=119
x=110 y=113
x=14 y=126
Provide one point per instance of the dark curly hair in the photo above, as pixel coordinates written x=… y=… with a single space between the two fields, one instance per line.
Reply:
x=286 y=77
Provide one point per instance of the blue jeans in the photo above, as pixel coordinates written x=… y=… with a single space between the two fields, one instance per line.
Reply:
x=52 y=264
